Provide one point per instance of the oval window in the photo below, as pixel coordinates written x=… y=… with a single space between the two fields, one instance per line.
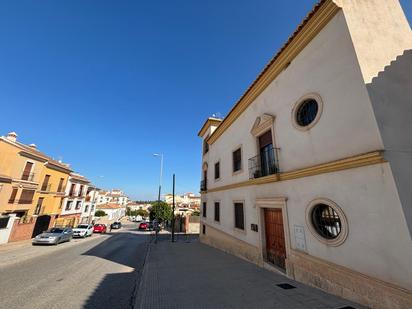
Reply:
x=326 y=221
x=306 y=112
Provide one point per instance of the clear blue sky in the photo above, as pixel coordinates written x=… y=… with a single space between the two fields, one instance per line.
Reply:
x=104 y=84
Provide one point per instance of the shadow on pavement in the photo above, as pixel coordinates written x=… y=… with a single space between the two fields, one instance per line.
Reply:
x=116 y=290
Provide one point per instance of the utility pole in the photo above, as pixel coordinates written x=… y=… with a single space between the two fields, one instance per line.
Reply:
x=158 y=197
x=173 y=211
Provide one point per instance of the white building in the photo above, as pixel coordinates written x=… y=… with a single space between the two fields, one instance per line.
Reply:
x=72 y=206
x=89 y=205
x=187 y=200
x=113 y=211
x=113 y=196
x=139 y=206
x=309 y=173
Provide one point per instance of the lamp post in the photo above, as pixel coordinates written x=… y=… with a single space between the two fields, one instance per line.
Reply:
x=160 y=189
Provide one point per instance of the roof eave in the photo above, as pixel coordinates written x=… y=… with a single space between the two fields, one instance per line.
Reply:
x=314 y=22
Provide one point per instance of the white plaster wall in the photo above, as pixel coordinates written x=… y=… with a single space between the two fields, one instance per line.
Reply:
x=378 y=242
x=73 y=209
x=347 y=127
x=5 y=233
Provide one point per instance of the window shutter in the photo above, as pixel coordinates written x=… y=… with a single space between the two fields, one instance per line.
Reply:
x=27 y=170
x=13 y=195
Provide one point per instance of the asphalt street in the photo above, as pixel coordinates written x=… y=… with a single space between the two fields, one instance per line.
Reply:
x=99 y=272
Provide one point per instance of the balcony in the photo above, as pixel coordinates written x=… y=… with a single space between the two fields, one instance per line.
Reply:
x=24 y=201
x=203 y=185
x=264 y=164
x=28 y=176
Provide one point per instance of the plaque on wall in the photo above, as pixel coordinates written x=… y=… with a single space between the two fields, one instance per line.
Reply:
x=300 y=239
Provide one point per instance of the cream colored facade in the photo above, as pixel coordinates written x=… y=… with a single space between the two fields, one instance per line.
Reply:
x=342 y=159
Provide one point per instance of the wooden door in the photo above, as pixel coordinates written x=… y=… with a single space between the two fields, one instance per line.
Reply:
x=275 y=237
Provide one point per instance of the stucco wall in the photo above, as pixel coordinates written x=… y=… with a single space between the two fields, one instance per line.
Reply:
x=5 y=233
x=378 y=242
x=347 y=127
x=391 y=94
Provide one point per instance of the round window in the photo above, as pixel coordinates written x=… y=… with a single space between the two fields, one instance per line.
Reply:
x=326 y=221
x=306 y=112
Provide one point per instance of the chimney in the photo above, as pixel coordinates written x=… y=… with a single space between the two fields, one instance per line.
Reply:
x=33 y=146
x=12 y=136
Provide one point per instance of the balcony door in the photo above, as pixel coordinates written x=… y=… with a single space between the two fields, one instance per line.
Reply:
x=27 y=171
x=267 y=154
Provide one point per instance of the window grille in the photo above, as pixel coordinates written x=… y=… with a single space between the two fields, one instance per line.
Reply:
x=307 y=112
x=326 y=221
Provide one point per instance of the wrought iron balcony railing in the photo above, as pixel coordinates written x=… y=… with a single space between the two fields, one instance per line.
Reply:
x=28 y=176
x=264 y=164
x=203 y=185
x=24 y=201
x=45 y=187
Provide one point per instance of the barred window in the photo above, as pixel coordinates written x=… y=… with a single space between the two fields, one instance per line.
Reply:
x=307 y=112
x=326 y=221
x=239 y=216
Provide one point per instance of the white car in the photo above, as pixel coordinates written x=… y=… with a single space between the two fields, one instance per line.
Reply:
x=83 y=230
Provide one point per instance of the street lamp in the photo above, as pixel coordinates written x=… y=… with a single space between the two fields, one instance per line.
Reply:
x=160 y=188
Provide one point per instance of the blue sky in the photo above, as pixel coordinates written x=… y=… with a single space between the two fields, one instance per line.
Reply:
x=104 y=84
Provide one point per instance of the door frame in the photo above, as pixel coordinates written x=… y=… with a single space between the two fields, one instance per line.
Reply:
x=279 y=203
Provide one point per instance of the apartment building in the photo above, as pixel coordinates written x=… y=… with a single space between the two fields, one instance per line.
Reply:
x=35 y=182
x=89 y=205
x=309 y=173
x=187 y=200
x=72 y=206
x=32 y=185
x=114 y=196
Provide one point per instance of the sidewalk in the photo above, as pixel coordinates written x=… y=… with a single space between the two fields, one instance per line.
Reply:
x=188 y=274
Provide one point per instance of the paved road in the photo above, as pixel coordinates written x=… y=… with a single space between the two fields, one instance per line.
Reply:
x=100 y=272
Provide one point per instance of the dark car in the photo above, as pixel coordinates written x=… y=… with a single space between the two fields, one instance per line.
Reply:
x=150 y=226
x=116 y=225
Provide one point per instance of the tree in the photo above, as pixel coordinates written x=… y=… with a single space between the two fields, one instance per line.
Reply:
x=99 y=213
x=161 y=210
x=142 y=212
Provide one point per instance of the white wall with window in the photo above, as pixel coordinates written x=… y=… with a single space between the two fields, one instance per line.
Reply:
x=316 y=112
x=75 y=194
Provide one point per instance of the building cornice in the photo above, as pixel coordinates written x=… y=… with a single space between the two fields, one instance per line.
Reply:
x=307 y=30
x=209 y=122
x=334 y=166
x=58 y=167
x=32 y=156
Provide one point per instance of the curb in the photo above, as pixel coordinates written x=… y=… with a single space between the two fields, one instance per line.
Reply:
x=136 y=300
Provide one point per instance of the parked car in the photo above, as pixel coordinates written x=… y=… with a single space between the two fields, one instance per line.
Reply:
x=116 y=225
x=143 y=226
x=53 y=236
x=99 y=228
x=83 y=230
x=150 y=226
